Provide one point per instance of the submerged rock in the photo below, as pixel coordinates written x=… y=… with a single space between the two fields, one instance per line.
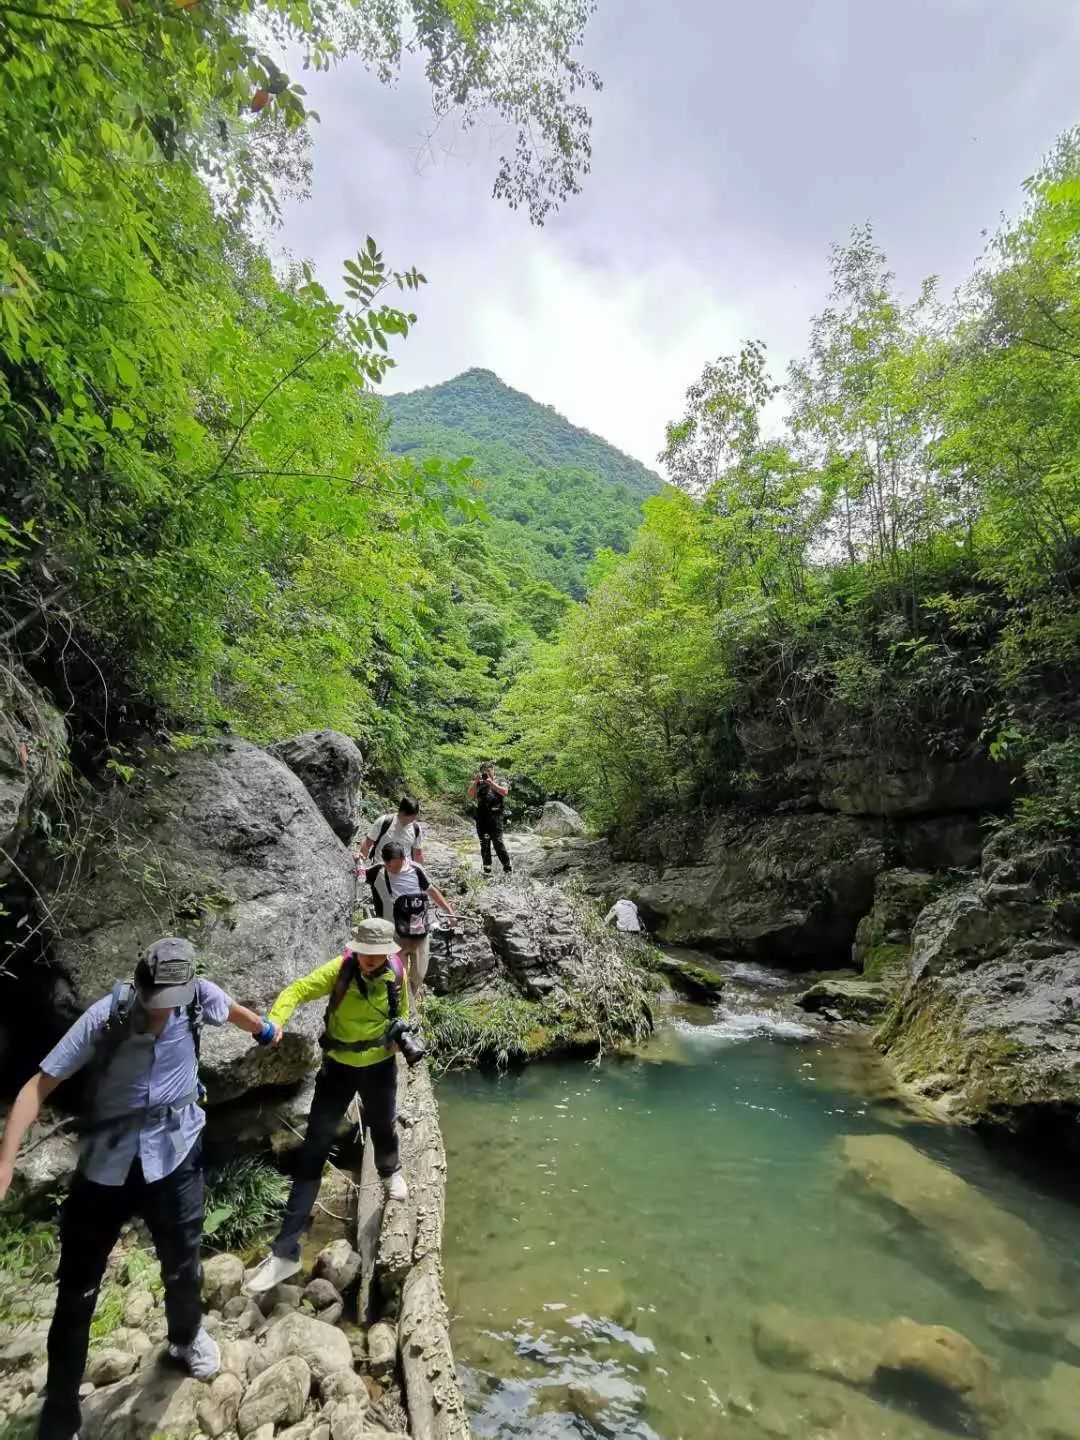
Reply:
x=332 y=770
x=224 y=844
x=931 y=1363
x=999 y=1251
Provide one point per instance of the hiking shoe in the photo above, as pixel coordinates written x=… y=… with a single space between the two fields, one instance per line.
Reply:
x=488 y=872
x=202 y=1357
x=270 y=1273
x=396 y=1189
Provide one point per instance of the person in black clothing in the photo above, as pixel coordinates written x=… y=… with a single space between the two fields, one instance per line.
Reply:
x=489 y=794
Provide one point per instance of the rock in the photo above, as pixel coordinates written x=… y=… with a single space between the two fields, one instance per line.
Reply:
x=381 y=1349
x=841 y=1349
x=696 y=981
x=343 y=1385
x=1050 y=1406
x=33 y=754
x=888 y=783
x=217 y=1412
x=139 y=1343
x=223 y=1277
x=107 y=1366
x=46 y=1168
x=948 y=1362
x=284 y=1297
x=788 y=888
x=277 y=1396
x=324 y=1348
x=264 y=1432
x=249 y=870
x=138 y=1307
x=332 y=770
x=339 y=1264
x=348 y=1419
x=304 y=1431
x=987 y=1026
x=237 y=1357
x=25 y=1348
x=859 y=1000
x=154 y=1401
x=997 y=1250
x=559 y=819
x=883 y=938
x=247 y=1318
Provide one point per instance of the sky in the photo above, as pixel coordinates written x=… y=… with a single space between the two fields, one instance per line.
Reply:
x=733 y=143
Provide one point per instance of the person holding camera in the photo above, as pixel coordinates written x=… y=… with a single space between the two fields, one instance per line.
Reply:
x=367 y=1020
x=402 y=892
x=489 y=794
x=140 y=1154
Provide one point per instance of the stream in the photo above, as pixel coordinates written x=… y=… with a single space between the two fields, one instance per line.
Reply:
x=612 y=1230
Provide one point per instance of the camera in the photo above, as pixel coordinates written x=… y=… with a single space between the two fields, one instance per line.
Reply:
x=403 y=1034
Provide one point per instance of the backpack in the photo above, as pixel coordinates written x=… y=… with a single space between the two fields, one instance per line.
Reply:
x=410 y=912
x=107 y=1042
x=348 y=974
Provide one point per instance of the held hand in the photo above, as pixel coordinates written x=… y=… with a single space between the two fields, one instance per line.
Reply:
x=7 y=1174
x=278 y=1032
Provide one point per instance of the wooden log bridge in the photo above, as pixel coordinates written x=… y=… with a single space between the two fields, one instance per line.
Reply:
x=401 y=1248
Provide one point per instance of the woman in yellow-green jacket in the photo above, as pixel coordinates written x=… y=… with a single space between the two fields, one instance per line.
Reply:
x=366 y=991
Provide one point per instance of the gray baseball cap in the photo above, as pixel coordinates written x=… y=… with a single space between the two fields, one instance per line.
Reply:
x=165 y=974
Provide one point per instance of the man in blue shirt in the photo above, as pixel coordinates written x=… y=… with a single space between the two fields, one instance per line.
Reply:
x=140 y=1155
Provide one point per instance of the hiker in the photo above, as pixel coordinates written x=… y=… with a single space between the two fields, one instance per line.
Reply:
x=624 y=915
x=140 y=1154
x=402 y=829
x=490 y=794
x=402 y=893
x=367 y=1019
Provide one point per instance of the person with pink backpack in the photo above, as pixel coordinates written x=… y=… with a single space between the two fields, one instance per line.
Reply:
x=367 y=1023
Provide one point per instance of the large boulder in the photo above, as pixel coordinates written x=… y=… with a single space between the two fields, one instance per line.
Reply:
x=322 y=1347
x=859 y=1000
x=882 y=945
x=332 y=769
x=987 y=1027
x=33 y=755
x=899 y=786
x=153 y=1401
x=277 y=1396
x=789 y=888
x=223 y=844
x=560 y=819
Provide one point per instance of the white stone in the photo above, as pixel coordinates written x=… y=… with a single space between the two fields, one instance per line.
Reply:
x=138 y=1307
x=339 y=1263
x=223 y=1275
x=217 y=1411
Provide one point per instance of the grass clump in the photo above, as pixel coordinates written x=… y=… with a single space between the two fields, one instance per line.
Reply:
x=463 y=1033
x=243 y=1200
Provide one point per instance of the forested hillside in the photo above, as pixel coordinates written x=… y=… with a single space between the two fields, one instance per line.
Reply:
x=200 y=526
x=556 y=494
x=893 y=575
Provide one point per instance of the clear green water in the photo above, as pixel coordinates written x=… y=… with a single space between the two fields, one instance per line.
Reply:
x=611 y=1230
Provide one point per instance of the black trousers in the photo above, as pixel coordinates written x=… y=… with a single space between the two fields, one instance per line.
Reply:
x=90 y=1225
x=490 y=830
x=376 y=1086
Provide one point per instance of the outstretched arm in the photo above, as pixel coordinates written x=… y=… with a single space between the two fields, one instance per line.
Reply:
x=24 y=1112
x=442 y=902
x=503 y=789
x=315 y=986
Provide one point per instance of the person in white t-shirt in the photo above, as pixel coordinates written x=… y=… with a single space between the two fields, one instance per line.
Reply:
x=402 y=828
x=402 y=892
x=624 y=915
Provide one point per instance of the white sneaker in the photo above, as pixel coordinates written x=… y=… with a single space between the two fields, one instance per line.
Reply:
x=202 y=1357
x=270 y=1273
x=396 y=1189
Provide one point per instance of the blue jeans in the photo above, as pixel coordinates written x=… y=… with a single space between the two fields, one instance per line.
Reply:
x=90 y=1225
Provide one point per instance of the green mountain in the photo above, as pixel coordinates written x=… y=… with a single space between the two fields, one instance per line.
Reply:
x=557 y=494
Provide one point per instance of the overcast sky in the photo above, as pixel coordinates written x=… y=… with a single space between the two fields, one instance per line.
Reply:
x=732 y=144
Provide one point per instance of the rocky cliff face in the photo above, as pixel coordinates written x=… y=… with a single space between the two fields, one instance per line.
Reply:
x=988 y=1022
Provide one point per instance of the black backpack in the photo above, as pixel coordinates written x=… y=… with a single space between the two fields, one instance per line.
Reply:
x=410 y=911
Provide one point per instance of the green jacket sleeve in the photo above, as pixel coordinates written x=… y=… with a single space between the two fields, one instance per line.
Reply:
x=309 y=987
